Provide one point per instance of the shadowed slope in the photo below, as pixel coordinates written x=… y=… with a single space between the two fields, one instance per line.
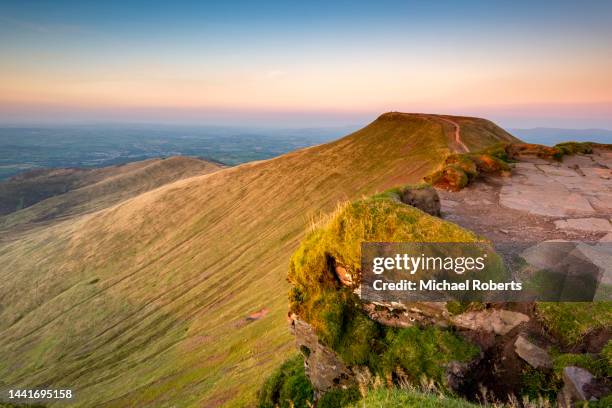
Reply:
x=147 y=303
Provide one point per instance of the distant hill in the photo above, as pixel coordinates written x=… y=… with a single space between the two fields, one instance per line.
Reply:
x=177 y=296
x=94 y=146
x=552 y=136
x=42 y=195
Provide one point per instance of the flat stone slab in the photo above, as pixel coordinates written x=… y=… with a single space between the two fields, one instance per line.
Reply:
x=585 y=224
x=536 y=356
x=557 y=190
x=498 y=321
x=553 y=200
x=558 y=171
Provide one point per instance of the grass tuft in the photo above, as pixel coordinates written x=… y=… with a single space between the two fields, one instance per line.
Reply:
x=287 y=387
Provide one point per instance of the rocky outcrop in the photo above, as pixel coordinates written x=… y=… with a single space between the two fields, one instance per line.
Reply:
x=536 y=356
x=424 y=198
x=406 y=315
x=511 y=339
x=323 y=366
x=498 y=321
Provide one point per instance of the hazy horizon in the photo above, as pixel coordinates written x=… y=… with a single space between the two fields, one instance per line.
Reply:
x=519 y=64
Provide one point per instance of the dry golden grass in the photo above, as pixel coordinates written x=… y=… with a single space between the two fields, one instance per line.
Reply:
x=144 y=303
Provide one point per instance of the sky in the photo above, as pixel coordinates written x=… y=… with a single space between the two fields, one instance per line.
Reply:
x=306 y=63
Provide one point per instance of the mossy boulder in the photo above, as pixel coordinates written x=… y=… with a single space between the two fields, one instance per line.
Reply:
x=460 y=169
x=425 y=198
x=486 y=163
x=464 y=162
x=451 y=177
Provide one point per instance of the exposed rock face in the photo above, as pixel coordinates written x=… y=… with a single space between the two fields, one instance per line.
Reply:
x=425 y=199
x=498 y=321
x=406 y=315
x=323 y=366
x=536 y=356
x=344 y=275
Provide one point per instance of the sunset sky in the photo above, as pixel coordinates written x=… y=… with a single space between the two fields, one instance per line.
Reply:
x=305 y=63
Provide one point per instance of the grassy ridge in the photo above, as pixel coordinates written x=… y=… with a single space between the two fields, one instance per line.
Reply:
x=89 y=190
x=146 y=303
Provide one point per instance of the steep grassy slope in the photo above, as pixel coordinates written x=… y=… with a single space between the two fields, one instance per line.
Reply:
x=152 y=302
x=90 y=190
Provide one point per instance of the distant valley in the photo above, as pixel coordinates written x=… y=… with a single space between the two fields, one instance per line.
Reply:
x=28 y=148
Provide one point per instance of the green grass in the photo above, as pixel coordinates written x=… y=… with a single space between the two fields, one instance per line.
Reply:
x=336 y=398
x=547 y=384
x=598 y=365
x=570 y=321
x=179 y=269
x=400 y=398
x=569 y=148
x=287 y=386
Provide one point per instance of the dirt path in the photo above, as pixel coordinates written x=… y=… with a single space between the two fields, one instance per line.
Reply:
x=462 y=147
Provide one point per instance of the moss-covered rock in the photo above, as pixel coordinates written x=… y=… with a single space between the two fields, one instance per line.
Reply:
x=335 y=312
x=460 y=169
x=451 y=177
x=287 y=386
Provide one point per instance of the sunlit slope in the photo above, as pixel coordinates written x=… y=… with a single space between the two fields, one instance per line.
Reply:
x=92 y=190
x=147 y=303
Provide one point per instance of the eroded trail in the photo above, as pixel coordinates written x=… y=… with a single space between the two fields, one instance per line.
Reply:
x=462 y=147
